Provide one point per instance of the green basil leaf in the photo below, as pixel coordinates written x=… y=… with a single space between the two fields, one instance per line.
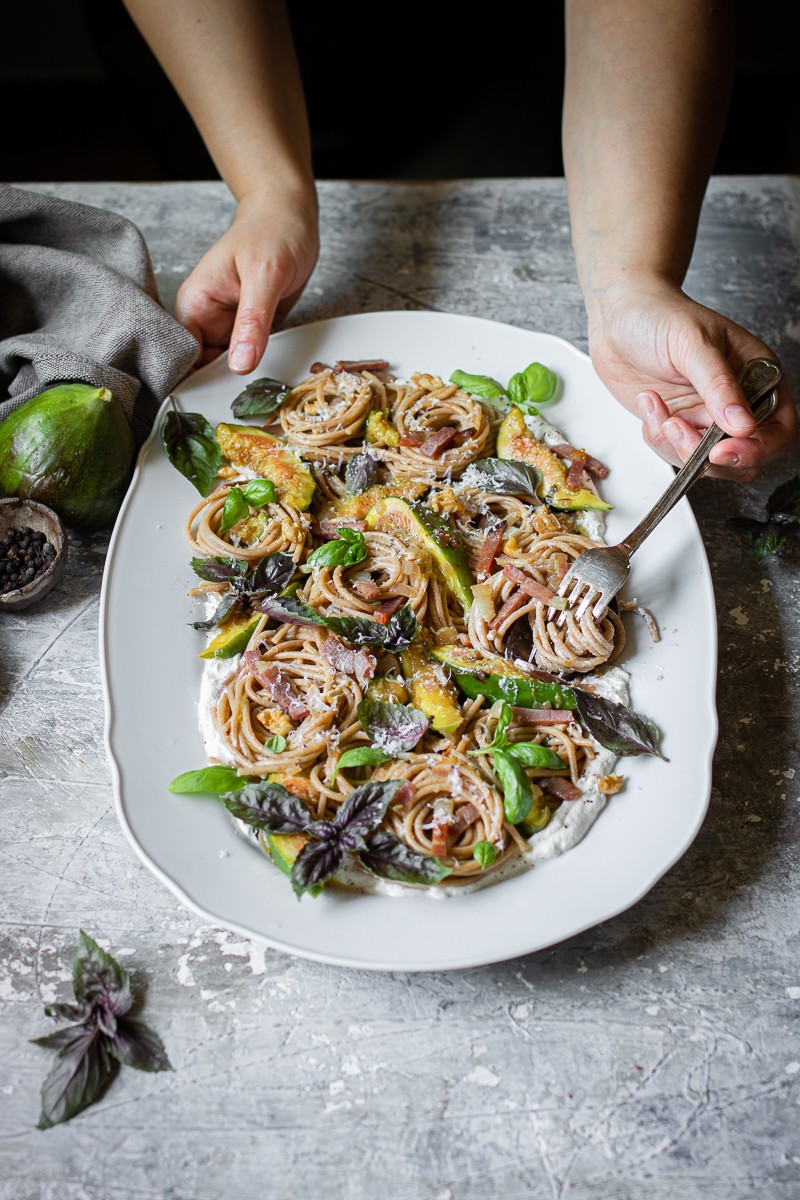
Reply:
x=484 y=853
x=211 y=781
x=390 y=858
x=345 y=551
x=276 y=744
x=234 y=509
x=260 y=397
x=535 y=385
x=359 y=756
x=500 y=739
x=521 y=693
x=482 y=386
x=517 y=791
x=769 y=542
x=191 y=447
x=259 y=492
x=618 y=728
x=531 y=754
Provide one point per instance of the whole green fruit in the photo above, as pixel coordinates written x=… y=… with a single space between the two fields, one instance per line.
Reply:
x=71 y=448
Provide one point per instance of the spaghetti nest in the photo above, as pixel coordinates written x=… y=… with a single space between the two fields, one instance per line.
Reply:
x=374 y=609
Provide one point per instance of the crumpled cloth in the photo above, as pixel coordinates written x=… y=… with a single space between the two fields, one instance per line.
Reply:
x=79 y=301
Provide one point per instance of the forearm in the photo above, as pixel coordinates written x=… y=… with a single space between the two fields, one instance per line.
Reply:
x=647 y=86
x=233 y=64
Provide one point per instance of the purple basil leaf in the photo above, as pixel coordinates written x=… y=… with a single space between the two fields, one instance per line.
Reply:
x=390 y=858
x=61 y=1037
x=616 y=727
x=393 y=728
x=223 y=609
x=218 y=570
x=783 y=505
x=136 y=1045
x=271 y=574
x=82 y=1069
x=363 y=811
x=259 y=398
x=290 y=611
x=99 y=979
x=269 y=806
x=505 y=477
x=191 y=447
x=358 y=631
x=315 y=863
x=361 y=473
x=401 y=629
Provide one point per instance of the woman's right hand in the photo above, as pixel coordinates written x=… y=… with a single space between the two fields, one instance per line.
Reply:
x=249 y=280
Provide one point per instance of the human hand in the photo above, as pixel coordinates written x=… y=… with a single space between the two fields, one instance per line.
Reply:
x=675 y=363
x=250 y=279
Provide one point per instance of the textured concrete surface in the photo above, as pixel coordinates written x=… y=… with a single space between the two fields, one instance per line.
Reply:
x=655 y=1056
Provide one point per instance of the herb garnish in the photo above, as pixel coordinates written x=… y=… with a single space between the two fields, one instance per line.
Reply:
x=239 y=501
x=394 y=728
x=361 y=473
x=530 y=754
x=191 y=447
x=504 y=477
x=249 y=585
x=349 y=548
x=535 y=385
x=616 y=727
x=395 y=635
x=89 y=1052
x=782 y=520
x=260 y=398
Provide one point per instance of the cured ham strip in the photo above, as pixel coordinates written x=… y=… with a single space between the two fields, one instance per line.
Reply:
x=530 y=586
x=277 y=686
x=466 y=814
x=575 y=472
x=413 y=438
x=439 y=835
x=489 y=551
x=515 y=600
x=592 y=465
x=360 y=664
x=386 y=610
x=361 y=364
x=437 y=442
x=543 y=716
x=366 y=589
x=317 y=368
x=562 y=788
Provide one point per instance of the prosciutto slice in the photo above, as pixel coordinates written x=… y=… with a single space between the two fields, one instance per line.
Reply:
x=277 y=686
x=360 y=664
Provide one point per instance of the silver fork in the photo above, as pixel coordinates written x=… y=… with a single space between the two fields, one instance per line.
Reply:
x=598 y=574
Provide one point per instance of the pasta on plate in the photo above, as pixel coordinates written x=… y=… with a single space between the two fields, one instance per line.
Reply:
x=389 y=701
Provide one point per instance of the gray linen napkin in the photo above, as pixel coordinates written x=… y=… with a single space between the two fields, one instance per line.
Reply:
x=78 y=301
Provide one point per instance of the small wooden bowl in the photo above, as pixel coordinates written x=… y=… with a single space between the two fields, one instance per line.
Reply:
x=29 y=514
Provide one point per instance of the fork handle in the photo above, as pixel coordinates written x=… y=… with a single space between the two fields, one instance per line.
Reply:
x=758 y=379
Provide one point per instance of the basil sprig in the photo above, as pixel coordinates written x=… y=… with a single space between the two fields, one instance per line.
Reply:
x=535 y=385
x=530 y=754
x=191 y=447
x=782 y=520
x=359 y=756
x=394 y=728
x=260 y=398
x=395 y=635
x=103 y=1036
x=517 y=791
x=239 y=501
x=617 y=727
x=249 y=585
x=349 y=548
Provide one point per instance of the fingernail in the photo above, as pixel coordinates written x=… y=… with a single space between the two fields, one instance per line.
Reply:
x=646 y=406
x=242 y=356
x=673 y=432
x=727 y=460
x=738 y=418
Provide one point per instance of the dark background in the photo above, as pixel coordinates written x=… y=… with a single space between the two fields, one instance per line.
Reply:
x=83 y=99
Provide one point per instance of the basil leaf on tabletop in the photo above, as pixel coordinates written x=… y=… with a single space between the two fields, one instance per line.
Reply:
x=191 y=447
x=517 y=791
x=393 y=728
x=88 y=1054
x=260 y=398
x=769 y=540
x=361 y=473
x=259 y=492
x=345 y=551
x=618 y=728
x=784 y=503
x=390 y=858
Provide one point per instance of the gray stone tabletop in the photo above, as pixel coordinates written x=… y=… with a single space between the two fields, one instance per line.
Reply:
x=657 y=1055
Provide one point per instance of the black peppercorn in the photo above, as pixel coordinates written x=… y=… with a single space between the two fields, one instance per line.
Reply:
x=24 y=554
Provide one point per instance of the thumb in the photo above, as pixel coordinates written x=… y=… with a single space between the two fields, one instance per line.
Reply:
x=713 y=378
x=254 y=316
